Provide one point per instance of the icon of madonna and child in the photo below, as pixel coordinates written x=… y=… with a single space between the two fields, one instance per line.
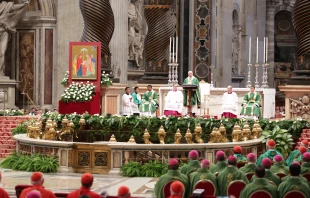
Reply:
x=84 y=62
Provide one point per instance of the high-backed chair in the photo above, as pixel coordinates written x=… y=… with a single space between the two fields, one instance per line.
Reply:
x=307 y=176
x=281 y=175
x=241 y=164
x=61 y=195
x=235 y=188
x=207 y=185
x=166 y=191
x=249 y=175
x=19 y=188
x=261 y=194
x=294 y=194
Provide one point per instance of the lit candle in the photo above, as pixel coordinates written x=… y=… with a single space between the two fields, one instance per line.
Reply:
x=250 y=50
x=170 y=51
x=176 y=50
x=264 y=49
x=173 y=50
x=257 y=50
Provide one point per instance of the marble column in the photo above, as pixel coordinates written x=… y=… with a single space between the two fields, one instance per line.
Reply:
x=119 y=41
x=270 y=34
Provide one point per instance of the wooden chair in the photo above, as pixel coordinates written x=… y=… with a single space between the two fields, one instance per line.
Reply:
x=294 y=194
x=260 y=194
x=235 y=188
x=241 y=164
x=19 y=188
x=307 y=176
x=207 y=185
x=281 y=175
x=166 y=191
x=249 y=175
x=61 y=195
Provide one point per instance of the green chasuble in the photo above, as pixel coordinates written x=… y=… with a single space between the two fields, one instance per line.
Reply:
x=270 y=176
x=149 y=102
x=251 y=105
x=195 y=94
x=229 y=174
x=240 y=157
x=305 y=167
x=192 y=166
x=201 y=174
x=293 y=183
x=303 y=179
x=135 y=99
x=258 y=184
x=170 y=176
x=248 y=168
x=279 y=167
x=218 y=167
x=270 y=154
x=292 y=157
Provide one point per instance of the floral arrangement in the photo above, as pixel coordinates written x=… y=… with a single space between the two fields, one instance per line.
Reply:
x=79 y=92
x=10 y=112
x=65 y=81
x=105 y=80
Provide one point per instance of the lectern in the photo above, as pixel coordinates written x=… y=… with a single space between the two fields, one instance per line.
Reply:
x=190 y=88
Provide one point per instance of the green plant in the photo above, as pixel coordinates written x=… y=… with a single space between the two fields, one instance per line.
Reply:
x=36 y=162
x=132 y=169
x=154 y=169
x=20 y=129
x=282 y=137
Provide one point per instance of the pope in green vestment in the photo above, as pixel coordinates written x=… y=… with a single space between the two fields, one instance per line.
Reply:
x=248 y=168
x=229 y=174
x=251 y=104
x=195 y=94
x=149 y=101
x=293 y=183
x=202 y=173
x=172 y=174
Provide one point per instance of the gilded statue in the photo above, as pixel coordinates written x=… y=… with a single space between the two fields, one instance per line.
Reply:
x=132 y=140
x=30 y=131
x=189 y=136
x=146 y=137
x=66 y=133
x=246 y=131
x=112 y=139
x=161 y=135
x=198 y=133
x=222 y=130
x=178 y=137
x=50 y=134
x=256 y=131
x=215 y=136
x=237 y=134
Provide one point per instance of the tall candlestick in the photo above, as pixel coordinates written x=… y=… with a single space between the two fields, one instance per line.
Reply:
x=176 y=50
x=257 y=50
x=264 y=49
x=173 y=50
x=170 y=51
x=250 y=50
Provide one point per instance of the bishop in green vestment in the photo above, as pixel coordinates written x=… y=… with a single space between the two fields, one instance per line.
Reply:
x=268 y=174
x=270 y=153
x=294 y=183
x=295 y=154
x=202 y=173
x=278 y=165
x=251 y=104
x=149 y=102
x=259 y=184
x=195 y=94
x=305 y=166
x=193 y=164
x=172 y=174
x=250 y=166
x=220 y=164
x=229 y=174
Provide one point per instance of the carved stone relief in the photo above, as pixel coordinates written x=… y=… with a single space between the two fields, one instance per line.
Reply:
x=300 y=108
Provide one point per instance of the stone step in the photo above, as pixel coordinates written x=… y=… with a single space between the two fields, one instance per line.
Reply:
x=7 y=146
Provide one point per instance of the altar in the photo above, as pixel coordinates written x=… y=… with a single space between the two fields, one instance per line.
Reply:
x=212 y=100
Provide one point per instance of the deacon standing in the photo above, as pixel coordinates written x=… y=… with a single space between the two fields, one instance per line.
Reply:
x=127 y=102
x=251 y=104
x=149 y=102
x=136 y=98
x=229 y=104
x=192 y=80
x=174 y=102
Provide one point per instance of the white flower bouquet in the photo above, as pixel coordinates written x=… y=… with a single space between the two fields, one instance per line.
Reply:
x=65 y=81
x=78 y=92
x=105 y=80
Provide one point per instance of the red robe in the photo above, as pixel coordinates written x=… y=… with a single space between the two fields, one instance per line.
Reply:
x=83 y=191
x=3 y=193
x=79 y=63
x=44 y=193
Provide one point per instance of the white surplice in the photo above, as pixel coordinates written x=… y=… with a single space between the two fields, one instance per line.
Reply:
x=127 y=105
x=230 y=103
x=174 y=101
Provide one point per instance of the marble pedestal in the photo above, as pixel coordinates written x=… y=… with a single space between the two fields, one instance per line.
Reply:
x=7 y=93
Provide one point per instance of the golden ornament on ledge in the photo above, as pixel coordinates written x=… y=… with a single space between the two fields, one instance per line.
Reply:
x=66 y=133
x=146 y=137
x=132 y=140
x=237 y=134
x=189 y=136
x=256 y=131
x=178 y=137
x=215 y=136
x=246 y=131
x=112 y=139
x=222 y=130
x=161 y=135
x=198 y=133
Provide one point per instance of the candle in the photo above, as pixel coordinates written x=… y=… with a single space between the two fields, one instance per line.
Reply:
x=170 y=51
x=176 y=50
x=250 y=50
x=264 y=49
x=257 y=50
x=173 y=50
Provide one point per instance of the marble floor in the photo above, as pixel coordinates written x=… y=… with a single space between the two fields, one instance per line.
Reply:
x=67 y=182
